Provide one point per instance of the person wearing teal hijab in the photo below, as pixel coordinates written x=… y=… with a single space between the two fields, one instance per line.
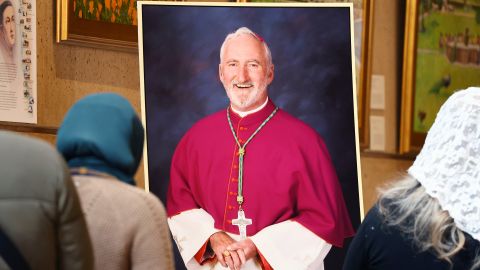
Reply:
x=101 y=138
x=102 y=132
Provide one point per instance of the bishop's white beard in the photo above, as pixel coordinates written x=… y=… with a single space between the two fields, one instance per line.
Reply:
x=242 y=99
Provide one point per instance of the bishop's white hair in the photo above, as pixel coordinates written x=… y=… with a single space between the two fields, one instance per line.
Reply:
x=245 y=31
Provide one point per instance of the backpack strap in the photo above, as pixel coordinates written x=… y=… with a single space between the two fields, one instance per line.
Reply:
x=10 y=253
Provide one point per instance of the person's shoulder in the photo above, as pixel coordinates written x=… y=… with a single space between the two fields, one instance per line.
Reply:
x=117 y=192
x=24 y=157
x=126 y=195
x=147 y=204
x=139 y=195
x=210 y=119
x=28 y=148
x=373 y=225
x=134 y=203
x=207 y=124
x=296 y=126
x=374 y=216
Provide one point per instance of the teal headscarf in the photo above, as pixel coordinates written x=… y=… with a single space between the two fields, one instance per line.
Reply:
x=102 y=132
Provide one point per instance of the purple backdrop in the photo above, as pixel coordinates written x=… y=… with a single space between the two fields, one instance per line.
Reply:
x=311 y=50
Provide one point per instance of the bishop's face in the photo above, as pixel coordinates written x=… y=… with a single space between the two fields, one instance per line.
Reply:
x=245 y=73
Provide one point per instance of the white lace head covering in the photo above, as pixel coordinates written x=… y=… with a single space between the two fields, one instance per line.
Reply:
x=448 y=165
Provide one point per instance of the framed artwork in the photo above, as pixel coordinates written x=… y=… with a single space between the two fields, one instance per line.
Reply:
x=363 y=21
x=110 y=24
x=314 y=78
x=441 y=56
x=18 y=62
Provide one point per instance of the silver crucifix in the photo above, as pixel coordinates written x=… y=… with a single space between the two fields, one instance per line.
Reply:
x=242 y=223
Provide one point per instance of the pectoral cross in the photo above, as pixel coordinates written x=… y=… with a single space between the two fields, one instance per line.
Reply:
x=242 y=223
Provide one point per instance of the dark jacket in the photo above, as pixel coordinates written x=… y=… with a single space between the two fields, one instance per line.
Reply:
x=377 y=246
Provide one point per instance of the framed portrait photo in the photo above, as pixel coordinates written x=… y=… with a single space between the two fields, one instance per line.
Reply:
x=313 y=54
x=441 y=56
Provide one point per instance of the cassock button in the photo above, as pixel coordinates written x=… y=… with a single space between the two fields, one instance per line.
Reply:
x=230 y=207
x=235 y=166
x=234 y=180
x=231 y=193
x=229 y=221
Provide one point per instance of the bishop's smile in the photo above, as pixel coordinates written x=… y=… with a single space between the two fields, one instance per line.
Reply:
x=243 y=85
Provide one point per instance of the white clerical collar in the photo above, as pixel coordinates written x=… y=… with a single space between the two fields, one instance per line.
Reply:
x=243 y=114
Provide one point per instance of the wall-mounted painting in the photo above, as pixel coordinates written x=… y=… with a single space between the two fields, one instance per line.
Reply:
x=18 y=62
x=441 y=56
x=363 y=21
x=110 y=24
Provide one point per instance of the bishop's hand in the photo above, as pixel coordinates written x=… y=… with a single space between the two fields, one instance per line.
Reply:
x=234 y=259
x=247 y=246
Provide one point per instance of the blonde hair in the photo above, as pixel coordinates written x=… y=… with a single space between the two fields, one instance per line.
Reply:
x=406 y=205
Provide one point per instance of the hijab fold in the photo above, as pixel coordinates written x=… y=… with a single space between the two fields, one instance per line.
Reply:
x=102 y=132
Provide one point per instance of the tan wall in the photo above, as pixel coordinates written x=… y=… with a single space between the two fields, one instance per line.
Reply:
x=67 y=73
x=378 y=170
x=385 y=47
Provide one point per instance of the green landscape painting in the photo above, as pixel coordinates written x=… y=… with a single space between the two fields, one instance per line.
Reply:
x=447 y=55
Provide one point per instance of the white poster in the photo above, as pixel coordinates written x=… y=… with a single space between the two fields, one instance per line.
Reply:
x=377 y=133
x=18 y=68
x=377 y=92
